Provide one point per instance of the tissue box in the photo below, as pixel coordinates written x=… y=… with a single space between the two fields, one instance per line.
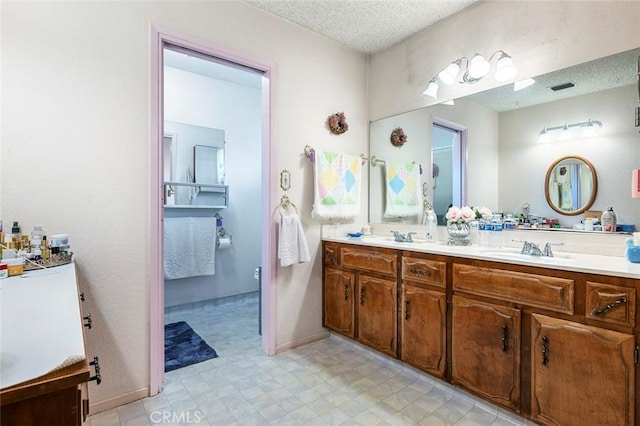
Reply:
x=633 y=254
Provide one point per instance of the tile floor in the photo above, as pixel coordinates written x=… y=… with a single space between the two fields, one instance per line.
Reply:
x=330 y=382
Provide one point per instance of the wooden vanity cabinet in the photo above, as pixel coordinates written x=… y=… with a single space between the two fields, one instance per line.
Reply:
x=423 y=313
x=557 y=347
x=360 y=294
x=485 y=350
x=581 y=375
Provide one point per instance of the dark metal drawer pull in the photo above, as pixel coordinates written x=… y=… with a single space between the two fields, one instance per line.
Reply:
x=545 y=349
x=346 y=290
x=420 y=272
x=406 y=310
x=96 y=366
x=362 y=296
x=605 y=308
x=505 y=339
x=88 y=320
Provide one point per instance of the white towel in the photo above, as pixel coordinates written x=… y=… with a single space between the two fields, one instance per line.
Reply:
x=337 y=185
x=189 y=247
x=292 y=243
x=404 y=194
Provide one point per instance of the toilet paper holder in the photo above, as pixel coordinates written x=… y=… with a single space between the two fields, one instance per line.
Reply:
x=223 y=235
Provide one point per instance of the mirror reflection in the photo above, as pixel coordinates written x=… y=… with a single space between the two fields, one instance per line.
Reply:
x=571 y=185
x=506 y=157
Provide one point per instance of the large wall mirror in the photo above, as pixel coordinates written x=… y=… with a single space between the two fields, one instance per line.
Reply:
x=571 y=185
x=506 y=159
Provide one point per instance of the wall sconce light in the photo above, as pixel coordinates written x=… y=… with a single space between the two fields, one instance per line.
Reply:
x=468 y=71
x=567 y=131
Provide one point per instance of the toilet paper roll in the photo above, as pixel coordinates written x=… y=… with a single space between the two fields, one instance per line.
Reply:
x=223 y=243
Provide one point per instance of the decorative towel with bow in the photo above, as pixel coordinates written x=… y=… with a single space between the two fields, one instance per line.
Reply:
x=337 y=185
x=404 y=195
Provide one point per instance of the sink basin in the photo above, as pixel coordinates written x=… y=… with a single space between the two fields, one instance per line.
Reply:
x=516 y=255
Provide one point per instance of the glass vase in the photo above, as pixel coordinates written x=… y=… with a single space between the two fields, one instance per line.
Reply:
x=459 y=233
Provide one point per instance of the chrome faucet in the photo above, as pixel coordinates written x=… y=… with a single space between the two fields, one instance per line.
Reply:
x=398 y=237
x=532 y=249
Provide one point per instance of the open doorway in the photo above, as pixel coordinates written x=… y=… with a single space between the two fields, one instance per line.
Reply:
x=211 y=120
x=449 y=167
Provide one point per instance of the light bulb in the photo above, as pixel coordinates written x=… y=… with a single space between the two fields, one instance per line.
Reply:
x=432 y=89
x=478 y=66
x=519 y=85
x=449 y=74
x=505 y=70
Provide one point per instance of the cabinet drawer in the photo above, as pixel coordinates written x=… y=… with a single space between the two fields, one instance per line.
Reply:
x=611 y=304
x=330 y=254
x=424 y=271
x=541 y=291
x=384 y=261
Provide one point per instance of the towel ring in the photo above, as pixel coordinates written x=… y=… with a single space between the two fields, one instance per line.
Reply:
x=286 y=204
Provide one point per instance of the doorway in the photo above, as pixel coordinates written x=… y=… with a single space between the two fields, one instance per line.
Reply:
x=205 y=54
x=448 y=153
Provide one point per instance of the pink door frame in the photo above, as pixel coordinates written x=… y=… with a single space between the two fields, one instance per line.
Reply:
x=160 y=35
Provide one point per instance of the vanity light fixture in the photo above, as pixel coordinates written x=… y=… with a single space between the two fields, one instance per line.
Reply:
x=587 y=128
x=468 y=71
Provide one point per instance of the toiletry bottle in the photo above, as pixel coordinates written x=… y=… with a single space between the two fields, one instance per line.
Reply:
x=15 y=230
x=431 y=223
x=609 y=220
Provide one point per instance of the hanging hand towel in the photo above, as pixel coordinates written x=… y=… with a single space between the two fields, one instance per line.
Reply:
x=189 y=247
x=337 y=184
x=292 y=243
x=404 y=196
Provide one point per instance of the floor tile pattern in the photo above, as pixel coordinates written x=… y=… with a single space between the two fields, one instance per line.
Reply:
x=330 y=382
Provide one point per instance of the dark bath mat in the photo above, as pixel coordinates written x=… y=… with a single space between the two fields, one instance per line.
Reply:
x=183 y=346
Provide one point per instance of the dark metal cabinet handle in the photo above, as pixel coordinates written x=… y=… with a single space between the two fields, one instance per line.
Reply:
x=545 y=350
x=88 y=320
x=407 y=315
x=96 y=366
x=505 y=339
x=331 y=257
x=362 y=296
x=420 y=272
x=82 y=296
x=346 y=290
x=605 y=308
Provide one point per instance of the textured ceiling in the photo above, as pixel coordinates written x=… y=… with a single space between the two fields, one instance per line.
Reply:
x=367 y=26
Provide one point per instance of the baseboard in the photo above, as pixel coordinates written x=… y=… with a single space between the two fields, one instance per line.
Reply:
x=303 y=341
x=108 y=404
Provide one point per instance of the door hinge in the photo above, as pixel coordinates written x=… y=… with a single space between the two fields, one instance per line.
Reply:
x=636 y=355
x=447 y=369
x=449 y=306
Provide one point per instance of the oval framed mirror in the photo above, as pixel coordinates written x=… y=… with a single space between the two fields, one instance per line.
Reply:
x=571 y=185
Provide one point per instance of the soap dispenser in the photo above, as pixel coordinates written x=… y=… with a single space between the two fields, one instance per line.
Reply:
x=431 y=222
x=609 y=220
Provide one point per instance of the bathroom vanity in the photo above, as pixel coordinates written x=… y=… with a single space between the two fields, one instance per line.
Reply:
x=552 y=339
x=44 y=370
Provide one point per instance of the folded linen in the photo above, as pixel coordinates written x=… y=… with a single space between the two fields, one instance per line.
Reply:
x=292 y=243
x=404 y=195
x=189 y=247
x=337 y=185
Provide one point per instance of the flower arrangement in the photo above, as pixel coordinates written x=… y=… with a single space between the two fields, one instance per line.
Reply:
x=398 y=137
x=483 y=213
x=460 y=215
x=337 y=123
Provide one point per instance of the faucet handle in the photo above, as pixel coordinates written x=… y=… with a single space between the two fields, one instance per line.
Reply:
x=409 y=234
x=526 y=246
x=547 y=249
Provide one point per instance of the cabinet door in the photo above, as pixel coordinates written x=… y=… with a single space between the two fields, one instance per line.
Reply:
x=377 y=313
x=338 y=314
x=581 y=375
x=423 y=328
x=485 y=350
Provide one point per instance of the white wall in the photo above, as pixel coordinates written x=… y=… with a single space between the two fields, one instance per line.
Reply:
x=75 y=103
x=614 y=152
x=202 y=101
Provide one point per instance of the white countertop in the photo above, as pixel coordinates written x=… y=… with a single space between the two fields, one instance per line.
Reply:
x=617 y=266
x=40 y=324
